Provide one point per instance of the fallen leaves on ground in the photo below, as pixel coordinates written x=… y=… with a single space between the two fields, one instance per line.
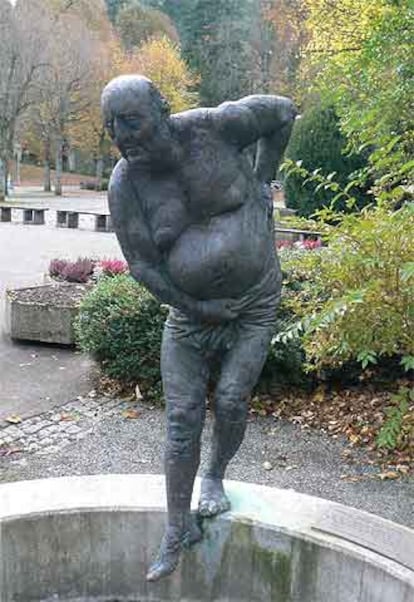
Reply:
x=388 y=475
x=356 y=413
x=110 y=387
x=14 y=419
x=353 y=478
x=65 y=417
x=131 y=414
x=8 y=450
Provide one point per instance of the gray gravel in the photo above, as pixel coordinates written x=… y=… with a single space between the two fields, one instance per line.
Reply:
x=306 y=461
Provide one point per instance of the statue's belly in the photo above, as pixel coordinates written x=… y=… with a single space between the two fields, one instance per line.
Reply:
x=225 y=256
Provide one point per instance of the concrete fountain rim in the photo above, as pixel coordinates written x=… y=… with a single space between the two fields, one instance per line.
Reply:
x=380 y=542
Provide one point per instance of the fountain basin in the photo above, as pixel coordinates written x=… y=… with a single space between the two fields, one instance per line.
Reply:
x=92 y=538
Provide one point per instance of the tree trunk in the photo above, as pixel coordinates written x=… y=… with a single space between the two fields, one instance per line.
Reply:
x=99 y=172
x=59 y=168
x=6 y=177
x=4 y=174
x=47 y=186
x=2 y=182
x=72 y=161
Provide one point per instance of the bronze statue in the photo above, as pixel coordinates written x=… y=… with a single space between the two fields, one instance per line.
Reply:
x=192 y=209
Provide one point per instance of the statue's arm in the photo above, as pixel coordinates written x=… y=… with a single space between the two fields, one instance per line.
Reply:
x=270 y=150
x=144 y=259
x=263 y=119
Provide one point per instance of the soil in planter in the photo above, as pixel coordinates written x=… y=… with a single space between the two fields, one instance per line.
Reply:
x=61 y=294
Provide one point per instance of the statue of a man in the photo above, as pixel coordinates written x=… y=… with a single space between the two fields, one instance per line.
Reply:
x=191 y=206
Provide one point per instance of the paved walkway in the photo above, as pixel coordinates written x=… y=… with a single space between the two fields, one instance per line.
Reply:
x=54 y=429
x=35 y=378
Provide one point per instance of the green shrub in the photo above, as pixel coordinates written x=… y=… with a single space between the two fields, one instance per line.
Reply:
x=394 y=433
x=104 y=184
x=356 y=301
x=317 y=143
x=286 y=359
x=120 y=324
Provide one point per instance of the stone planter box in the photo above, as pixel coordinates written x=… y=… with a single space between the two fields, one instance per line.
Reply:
x=45 y=313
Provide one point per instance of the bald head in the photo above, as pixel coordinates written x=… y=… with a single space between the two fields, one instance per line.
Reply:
x=136 y=116
x=127 y=93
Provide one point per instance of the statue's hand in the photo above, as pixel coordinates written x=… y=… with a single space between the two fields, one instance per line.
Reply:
x=217 y=310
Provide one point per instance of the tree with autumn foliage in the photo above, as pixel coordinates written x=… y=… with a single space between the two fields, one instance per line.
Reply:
x=65 y=92
x=88 y=133
x=359 y=58
x=136 y=25
x=85 y=52
x=23 y=57
x=288 y=38
x=74 y=31
x=160 y=60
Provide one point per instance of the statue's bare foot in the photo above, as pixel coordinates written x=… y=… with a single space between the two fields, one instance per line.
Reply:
x=213 y=500
x=170 y=550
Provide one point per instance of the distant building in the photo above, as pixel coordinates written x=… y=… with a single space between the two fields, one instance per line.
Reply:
x=278 y=193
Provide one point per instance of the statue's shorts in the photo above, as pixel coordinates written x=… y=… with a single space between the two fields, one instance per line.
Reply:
x=256 y=314
x=229 y=354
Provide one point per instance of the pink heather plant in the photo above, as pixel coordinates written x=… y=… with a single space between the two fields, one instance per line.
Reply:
x=304 y=245
x=80 y=270
x=284 y=244
x=112 y=267
x=309 y=244
x=56 y=267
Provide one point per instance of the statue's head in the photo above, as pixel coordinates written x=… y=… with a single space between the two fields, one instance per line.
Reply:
x=135 y=115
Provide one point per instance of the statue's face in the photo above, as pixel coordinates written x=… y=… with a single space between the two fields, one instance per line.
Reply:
x=133 y=121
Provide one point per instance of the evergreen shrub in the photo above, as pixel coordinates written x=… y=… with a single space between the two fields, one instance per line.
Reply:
x=120 y=324
x=318 y=144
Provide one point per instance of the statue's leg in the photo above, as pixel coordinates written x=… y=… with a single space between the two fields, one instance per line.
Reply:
x=185 y=378
x=240 y=371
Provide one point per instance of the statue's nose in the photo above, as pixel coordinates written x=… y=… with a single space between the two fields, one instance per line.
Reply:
x=120 y=128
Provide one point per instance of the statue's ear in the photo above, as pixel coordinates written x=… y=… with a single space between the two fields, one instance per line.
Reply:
x=161 y=101
x=165 y=107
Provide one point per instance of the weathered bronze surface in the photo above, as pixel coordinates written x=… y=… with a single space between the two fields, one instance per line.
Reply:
x=191 y=206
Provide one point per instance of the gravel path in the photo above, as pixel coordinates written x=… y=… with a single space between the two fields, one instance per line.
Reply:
x=90 y=436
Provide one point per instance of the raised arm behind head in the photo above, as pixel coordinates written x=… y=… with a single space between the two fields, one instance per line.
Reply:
x=247 y=120
x=264 y=119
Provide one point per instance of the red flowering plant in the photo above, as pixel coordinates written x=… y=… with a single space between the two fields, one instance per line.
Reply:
x=80 y=270
x=110 y=267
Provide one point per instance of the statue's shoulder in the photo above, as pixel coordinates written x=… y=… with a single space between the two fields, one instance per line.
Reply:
x=226 y=120
x=119 y=183
x=193 y=118
x=120 y=191
x=119 y=177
